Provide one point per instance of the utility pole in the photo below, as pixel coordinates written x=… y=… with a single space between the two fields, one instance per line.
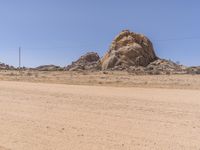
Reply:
x=19 y=58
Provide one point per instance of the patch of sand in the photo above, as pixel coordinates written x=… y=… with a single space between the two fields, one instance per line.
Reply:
x=37 y=116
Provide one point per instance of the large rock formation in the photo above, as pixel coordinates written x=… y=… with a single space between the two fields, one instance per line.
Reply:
x=131 y=52
x=129 y=49
x=89 y=61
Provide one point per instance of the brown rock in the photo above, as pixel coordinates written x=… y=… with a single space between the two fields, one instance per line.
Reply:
x=129 y=49
x=89 y=61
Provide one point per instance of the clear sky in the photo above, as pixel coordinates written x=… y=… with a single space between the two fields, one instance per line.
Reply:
x=59 y=31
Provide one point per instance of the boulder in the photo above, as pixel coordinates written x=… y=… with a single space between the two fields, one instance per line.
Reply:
x=89 y=61
x=129 y=49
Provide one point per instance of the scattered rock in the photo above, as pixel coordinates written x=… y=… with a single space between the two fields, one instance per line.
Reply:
x=128 y=49
x=89 y=61
x=162 y=66
x=193 y=70
x=159 y=67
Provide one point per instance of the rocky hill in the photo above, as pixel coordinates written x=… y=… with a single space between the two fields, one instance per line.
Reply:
x=130 y=52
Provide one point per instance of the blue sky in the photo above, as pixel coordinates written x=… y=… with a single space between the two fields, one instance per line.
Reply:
x=59 y=31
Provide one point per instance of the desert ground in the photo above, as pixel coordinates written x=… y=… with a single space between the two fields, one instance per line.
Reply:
x=104 y=78
x=110 y=111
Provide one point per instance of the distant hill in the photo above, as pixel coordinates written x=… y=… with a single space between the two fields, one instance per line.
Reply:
x=49 y=68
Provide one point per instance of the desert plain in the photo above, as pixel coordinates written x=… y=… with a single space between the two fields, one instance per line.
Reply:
x=98 y=111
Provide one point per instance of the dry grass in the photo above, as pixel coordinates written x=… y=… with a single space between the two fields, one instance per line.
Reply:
x=123 y=79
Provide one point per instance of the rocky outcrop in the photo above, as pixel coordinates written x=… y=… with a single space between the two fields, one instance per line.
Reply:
x=6 y=67
x=130 y=52
x=159 y=67
x=89 y=61
x=193 y=70
x=49 y=68
x=163 y=66
x=129 y=49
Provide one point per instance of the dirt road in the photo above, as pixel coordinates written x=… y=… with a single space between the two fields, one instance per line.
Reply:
x=36 y=116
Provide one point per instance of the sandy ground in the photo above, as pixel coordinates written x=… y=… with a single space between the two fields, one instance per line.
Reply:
x=38 y=116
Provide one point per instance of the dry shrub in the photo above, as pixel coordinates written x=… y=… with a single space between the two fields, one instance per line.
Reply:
x=29 y=74
x=36 y=75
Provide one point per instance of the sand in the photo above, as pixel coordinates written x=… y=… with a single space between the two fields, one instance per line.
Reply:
x=39 y=116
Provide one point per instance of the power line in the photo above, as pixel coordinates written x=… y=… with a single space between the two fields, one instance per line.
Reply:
x=178 y=39
x=161 y=40
x=62 y=47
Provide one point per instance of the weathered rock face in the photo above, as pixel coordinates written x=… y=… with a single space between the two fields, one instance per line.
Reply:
x=89 y=61
x=129 y=49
